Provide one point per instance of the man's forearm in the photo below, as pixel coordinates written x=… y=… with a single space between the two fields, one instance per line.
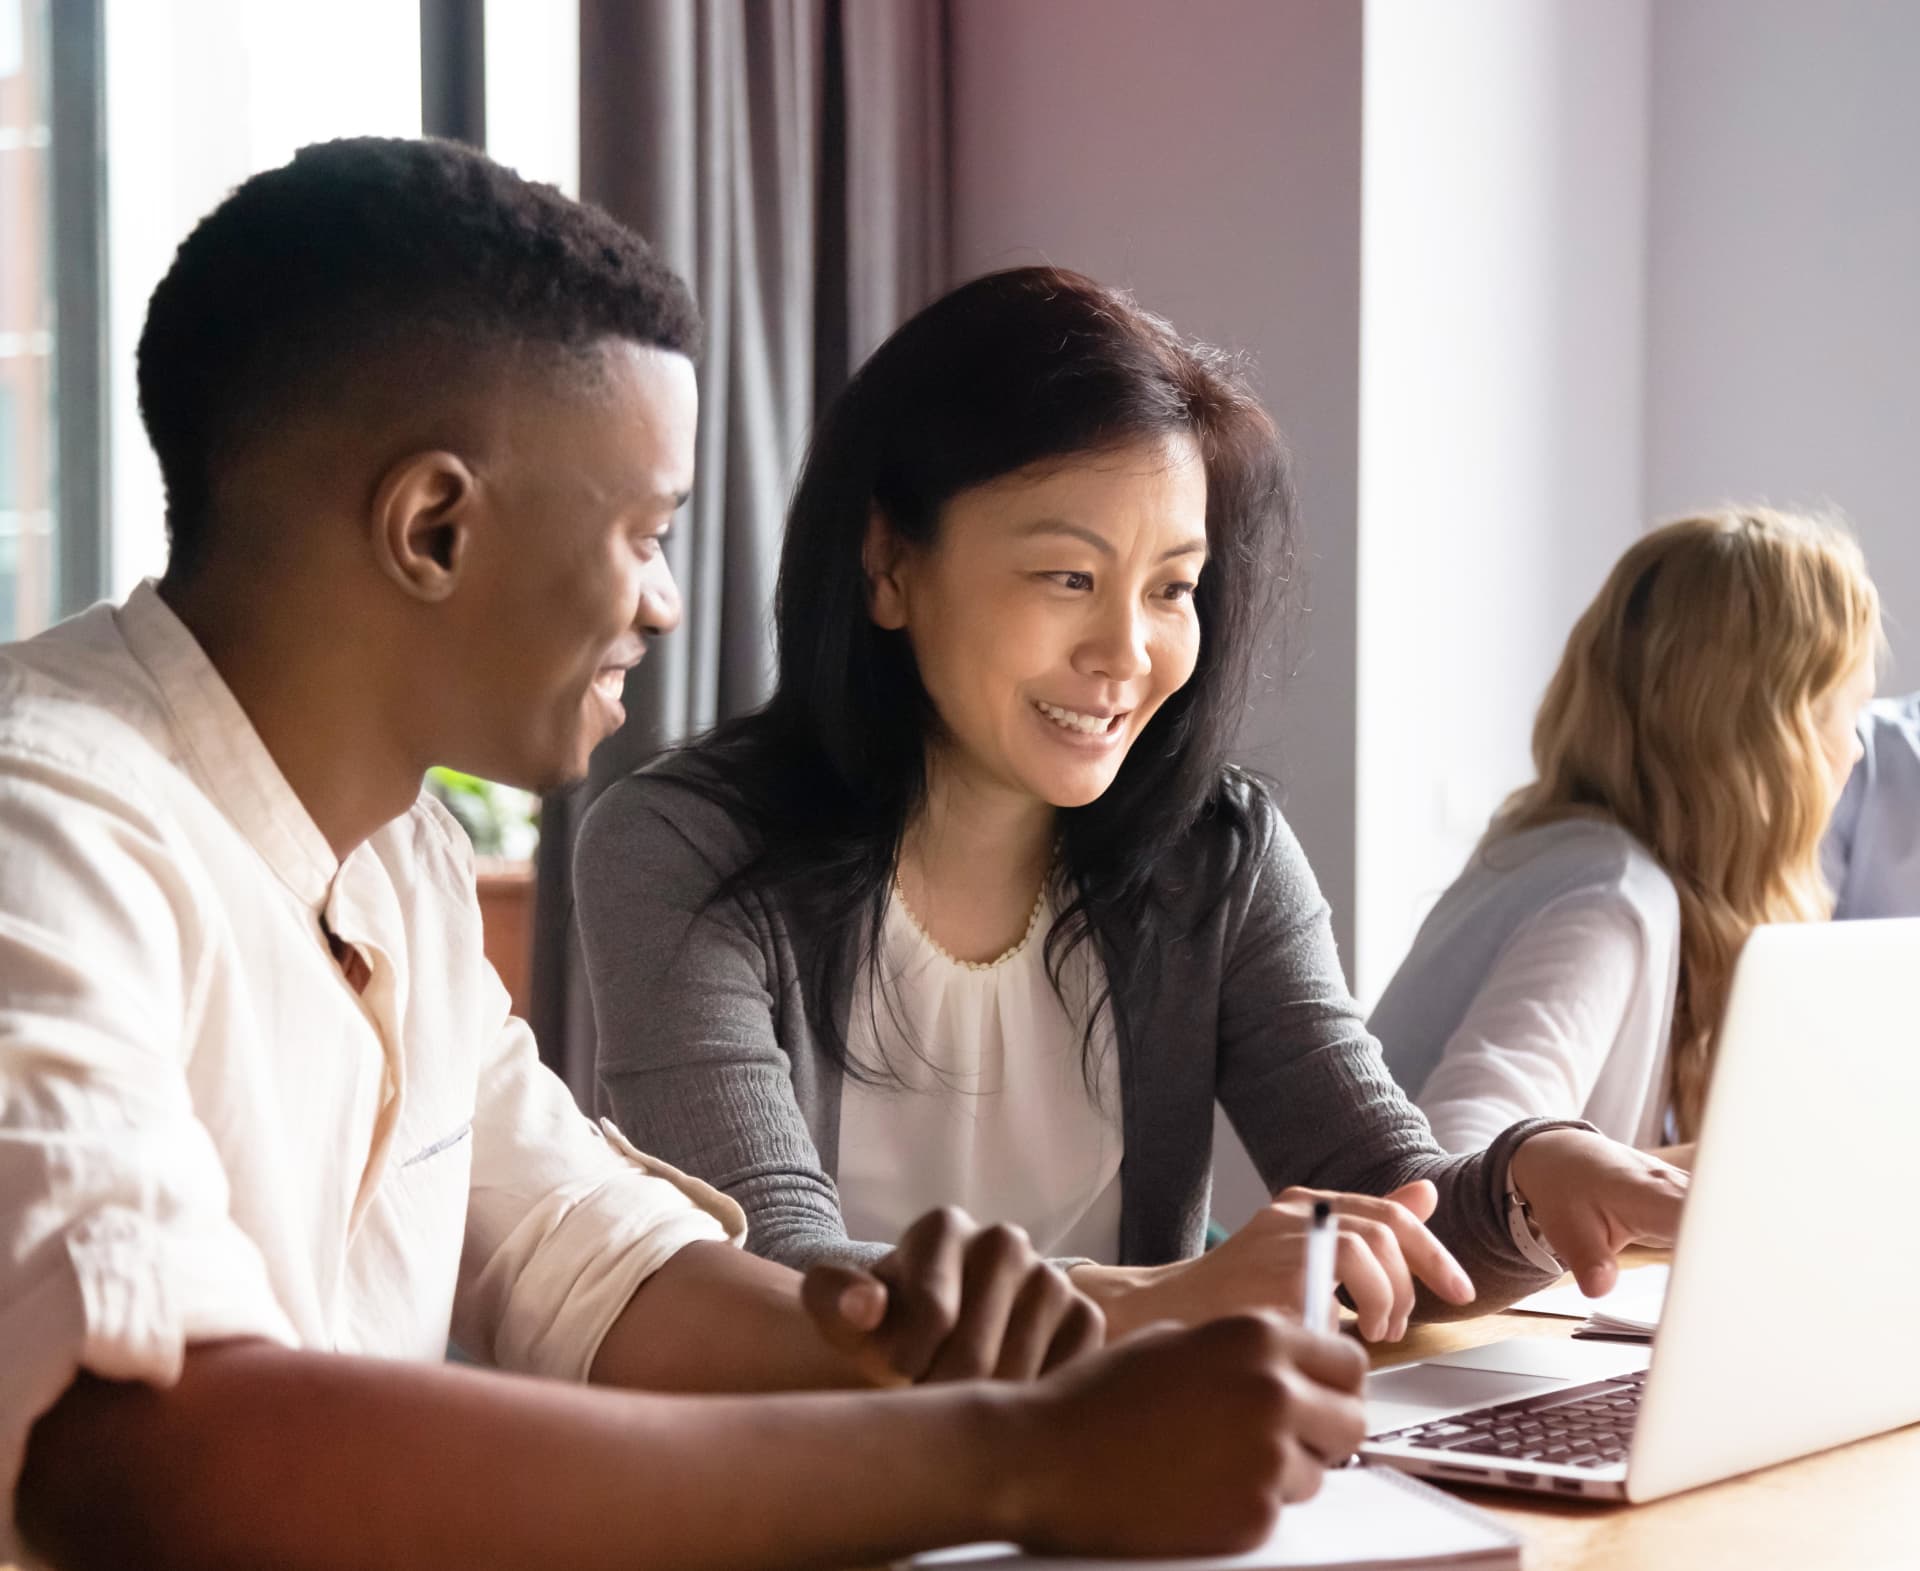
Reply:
x=262 y=1457
x=953 y=1300
x=715 y=1318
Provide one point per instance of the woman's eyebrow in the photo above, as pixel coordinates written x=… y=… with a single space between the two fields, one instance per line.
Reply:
x=1062 y=526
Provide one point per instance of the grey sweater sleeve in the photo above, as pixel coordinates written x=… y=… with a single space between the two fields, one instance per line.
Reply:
x=689 y=1000
x=1307 y=1090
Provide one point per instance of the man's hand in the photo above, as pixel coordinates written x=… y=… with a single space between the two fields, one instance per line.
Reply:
x=1591 y=1197
x=954 y=1301
x=1185 y=1441
x=1384 y=1247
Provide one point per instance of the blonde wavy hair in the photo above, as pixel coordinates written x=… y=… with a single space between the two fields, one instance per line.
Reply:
x=1683 y=710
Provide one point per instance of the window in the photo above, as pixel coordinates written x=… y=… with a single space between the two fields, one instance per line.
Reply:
x=532 y=83
x=200 y=95
x=26 y=322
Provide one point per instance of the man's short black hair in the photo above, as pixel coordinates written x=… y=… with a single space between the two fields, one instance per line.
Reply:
x=348 y=261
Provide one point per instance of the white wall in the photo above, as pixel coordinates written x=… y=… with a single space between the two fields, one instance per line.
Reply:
x=1208 y=157
x=1784 y=282
x=1504 y=198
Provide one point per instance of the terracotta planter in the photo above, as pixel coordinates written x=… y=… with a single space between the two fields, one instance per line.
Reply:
x=506 y=909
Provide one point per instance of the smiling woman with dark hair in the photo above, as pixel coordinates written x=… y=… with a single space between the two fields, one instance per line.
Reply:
x=976 y=911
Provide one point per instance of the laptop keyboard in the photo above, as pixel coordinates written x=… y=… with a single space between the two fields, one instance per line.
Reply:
x=1582 y=1426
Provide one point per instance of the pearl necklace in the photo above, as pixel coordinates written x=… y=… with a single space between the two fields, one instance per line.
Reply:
x=1033 y=923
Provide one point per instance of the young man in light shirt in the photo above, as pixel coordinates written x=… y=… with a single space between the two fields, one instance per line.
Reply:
x=268 y=1131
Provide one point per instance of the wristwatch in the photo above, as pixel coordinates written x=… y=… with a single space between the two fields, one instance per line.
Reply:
x=1526 y=1234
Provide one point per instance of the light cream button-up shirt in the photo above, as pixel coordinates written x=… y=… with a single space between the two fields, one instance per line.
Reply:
x=205 y=1130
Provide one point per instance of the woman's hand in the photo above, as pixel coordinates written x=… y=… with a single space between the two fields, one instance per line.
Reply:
x=1591 y=1197
x=954 y=1300
x=1384 y=1247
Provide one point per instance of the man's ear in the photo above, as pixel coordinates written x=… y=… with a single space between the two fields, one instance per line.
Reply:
x=423 y=517
x=881 y=555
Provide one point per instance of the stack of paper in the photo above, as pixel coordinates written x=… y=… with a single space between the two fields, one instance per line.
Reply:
x=1632 y=1309
x=1363 y=1519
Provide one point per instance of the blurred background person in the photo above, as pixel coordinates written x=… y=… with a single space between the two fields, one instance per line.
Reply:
x=1689 y=750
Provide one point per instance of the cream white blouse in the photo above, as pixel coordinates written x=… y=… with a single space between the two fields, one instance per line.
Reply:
x=983 y=1102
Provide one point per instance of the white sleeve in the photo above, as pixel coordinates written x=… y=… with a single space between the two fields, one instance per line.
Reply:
x=1537 y=1034
x=117 y=1250
x=565 y=1219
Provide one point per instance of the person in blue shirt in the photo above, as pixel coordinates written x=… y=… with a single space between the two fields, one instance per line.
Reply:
x=1871 y=855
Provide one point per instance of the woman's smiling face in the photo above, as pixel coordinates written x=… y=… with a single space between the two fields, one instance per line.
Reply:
x=1053 y=614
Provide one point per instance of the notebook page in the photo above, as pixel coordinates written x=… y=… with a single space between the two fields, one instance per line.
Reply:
x=1636 y=1299
x=1362 y=1517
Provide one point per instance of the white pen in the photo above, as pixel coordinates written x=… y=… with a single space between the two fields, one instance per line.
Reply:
x=1316 y=1302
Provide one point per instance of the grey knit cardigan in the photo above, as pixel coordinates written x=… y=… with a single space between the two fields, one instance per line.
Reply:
x=706 y=1058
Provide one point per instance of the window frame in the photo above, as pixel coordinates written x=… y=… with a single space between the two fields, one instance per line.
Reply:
x=81 y=500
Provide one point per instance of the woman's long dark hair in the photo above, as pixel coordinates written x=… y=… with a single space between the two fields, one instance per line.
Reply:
x=1014 y=369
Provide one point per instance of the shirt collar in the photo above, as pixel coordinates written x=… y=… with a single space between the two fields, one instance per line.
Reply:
x=229 y=758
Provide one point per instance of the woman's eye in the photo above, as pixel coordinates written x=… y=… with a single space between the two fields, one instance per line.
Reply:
x=1080 y=582
x=1179 y=591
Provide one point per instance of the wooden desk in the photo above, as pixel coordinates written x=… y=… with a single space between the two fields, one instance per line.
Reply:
x=1856 y=1508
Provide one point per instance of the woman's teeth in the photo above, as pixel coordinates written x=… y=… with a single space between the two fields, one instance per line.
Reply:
x=1073 y=720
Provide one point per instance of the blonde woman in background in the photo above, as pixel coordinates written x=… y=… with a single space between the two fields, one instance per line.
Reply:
x=1688 y=753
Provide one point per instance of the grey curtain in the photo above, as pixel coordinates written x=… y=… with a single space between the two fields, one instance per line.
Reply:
x=789 y=159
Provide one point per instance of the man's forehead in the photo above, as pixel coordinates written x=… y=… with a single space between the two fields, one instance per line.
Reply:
x=632 y=416
x=645 y=372
x=655 y=391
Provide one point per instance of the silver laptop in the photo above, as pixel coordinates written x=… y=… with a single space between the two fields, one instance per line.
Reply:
x=1789 y=1315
